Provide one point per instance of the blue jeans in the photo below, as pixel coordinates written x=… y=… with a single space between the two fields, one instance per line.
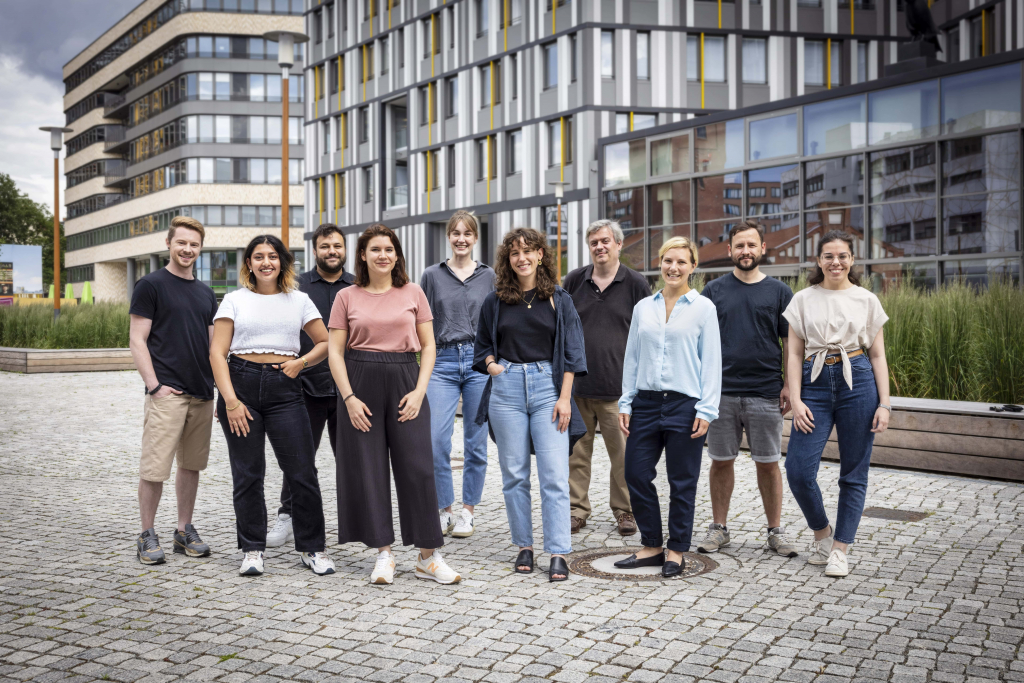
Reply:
x=454 y=376
x=522 y=402
x=852 y=411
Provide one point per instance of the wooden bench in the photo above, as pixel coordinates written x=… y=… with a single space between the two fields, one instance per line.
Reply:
x=64 y=360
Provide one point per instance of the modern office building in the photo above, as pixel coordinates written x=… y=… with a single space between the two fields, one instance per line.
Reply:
x=176 y=110
x=416 y=108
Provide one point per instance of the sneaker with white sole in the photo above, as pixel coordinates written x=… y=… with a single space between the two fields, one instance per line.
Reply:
x=820 y=550
x=447 y=522
x=320 y=563
x=436 y=569
x=717 y=537
x=837 y=564
x=384 y=571
x=780 y=543
x=252 y=563
x=281 y=533
x=463 y=524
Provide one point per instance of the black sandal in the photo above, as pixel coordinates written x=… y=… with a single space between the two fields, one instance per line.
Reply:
x=558 y=566
x=525 y=558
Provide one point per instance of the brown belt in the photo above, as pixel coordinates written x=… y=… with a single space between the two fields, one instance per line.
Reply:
x=834 y=358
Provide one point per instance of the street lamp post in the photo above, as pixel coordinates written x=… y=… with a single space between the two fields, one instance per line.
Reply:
x=559 y=192
x=56 y=142
x=286 y=41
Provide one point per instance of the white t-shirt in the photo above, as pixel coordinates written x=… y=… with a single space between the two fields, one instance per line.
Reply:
x=267 y=323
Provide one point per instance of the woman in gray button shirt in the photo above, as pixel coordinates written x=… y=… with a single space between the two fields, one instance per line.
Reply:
x=455 y=288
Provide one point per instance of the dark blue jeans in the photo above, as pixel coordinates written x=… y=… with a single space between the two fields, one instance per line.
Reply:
x=278 y=413
x=663 y=420
x=852 y=411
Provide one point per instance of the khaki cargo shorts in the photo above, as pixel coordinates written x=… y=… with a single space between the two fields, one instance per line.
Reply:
x=175 y=427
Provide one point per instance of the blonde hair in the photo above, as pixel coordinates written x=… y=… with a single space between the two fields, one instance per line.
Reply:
x=188 y=223
x=463 y=216
x=680 y=243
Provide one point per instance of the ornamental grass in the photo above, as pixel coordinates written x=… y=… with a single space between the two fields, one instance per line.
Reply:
x=95 y=326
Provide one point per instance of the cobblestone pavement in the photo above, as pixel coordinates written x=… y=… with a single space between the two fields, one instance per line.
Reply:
x=937 y=600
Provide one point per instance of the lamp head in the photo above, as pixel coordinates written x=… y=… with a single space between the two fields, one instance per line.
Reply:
x=56 y=136
x=286 y=41
x=559 y=188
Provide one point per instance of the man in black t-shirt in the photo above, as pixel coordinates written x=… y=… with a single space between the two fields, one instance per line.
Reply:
x=171 y=327
x=754 y=391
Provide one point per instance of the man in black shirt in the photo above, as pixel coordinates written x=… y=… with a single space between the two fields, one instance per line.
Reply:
x=755 y=395
x=171 y=326
x=604 y=293
x=321 y=284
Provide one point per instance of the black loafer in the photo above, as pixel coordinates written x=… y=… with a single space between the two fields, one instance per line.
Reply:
x=670 y=569
x=558 y=566
x=525 y=558
x=632 y=562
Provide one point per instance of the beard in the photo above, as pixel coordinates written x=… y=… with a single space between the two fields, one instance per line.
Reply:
x=327 y=268
x=754 y=263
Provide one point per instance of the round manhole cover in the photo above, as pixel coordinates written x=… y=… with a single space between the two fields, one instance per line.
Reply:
x=599 y=563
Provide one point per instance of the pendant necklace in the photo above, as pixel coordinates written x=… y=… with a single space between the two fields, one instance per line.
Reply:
x=529 y=304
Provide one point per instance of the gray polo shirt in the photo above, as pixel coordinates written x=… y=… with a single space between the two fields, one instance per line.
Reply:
x=456 y=303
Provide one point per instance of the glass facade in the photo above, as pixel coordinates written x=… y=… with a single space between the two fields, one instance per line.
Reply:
x=925 y=201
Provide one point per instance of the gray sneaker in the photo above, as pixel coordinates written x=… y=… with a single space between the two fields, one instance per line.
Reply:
x=716 y=538
x=147 y=546
x=778 y=542
x=820 y=550
x=187 y=542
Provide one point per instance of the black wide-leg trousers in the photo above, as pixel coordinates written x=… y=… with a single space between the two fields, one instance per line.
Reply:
x=365 y=459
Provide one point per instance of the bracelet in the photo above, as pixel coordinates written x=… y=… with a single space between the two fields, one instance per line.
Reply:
x=305 y=363
x=155 y=389
x=235 y=407
x=889 y=408
x=493 y=362
x=345 y=400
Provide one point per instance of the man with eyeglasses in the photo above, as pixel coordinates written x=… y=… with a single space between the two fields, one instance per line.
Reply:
x=754 y=392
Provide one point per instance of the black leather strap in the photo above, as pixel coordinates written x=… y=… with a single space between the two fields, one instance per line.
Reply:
x=158 y=387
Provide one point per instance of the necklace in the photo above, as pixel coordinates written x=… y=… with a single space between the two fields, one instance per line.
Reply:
x=529 y=304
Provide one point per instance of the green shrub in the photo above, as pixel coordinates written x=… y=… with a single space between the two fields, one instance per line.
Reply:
x=97 y=326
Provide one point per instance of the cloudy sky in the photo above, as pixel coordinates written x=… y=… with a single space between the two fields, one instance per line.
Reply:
x=37 y=37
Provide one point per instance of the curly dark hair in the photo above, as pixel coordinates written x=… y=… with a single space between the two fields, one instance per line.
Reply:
x=817 y=276
x=399 y=277
x=506 y=282
x=285 y=278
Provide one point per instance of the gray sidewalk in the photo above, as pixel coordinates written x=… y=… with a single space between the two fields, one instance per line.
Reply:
x=936 y=600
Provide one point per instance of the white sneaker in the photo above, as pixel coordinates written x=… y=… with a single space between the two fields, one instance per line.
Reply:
x=384 y=571
x=435 y=568
x=447 y=522
x=281 y=533
x=820 y=550
x=837 y=564
x=320 y=563
x=463 y=525
x=252 y=563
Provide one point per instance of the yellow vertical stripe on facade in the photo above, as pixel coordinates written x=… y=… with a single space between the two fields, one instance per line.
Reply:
x=719 y=13
x=984 y=34
x=554 y=13
x=316 y=91
x=828 y=62
x=389 y=15
x=851 y=14
x=505 y=32
x=630 y=122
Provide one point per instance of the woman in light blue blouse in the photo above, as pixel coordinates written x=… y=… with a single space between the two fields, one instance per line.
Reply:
x=671 y=383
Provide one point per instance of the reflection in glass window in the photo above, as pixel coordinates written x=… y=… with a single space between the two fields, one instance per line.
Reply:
x=607 y=54
x=835 y=126
x=625 y=162
x=625 y=206
x=903 y=229
x=884 y=276
x=849 y=219
x=659 y=236
x=816 y=65
x=774 y=137
x=714 y=58
x=907 y=113
x=905 y=173
x=719 y=196
x=755 y=60
x=834 y=182
x=713 y=243
x=981 y=99
x=670 y=155
x=981 y=224
x=670 y=203
x=633 y=249
x=773 y=190
x=980 y=273
x=719 y=146
x=980 y=164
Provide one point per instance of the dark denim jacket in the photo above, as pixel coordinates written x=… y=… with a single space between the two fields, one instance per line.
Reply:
x=570 y=354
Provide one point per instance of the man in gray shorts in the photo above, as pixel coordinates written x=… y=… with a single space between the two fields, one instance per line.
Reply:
x=754 y=393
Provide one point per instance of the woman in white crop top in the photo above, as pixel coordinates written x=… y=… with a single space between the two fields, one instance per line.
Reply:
x=255 y=358
x=838 y=377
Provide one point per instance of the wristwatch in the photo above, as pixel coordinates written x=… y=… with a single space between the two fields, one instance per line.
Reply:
x=882 y=405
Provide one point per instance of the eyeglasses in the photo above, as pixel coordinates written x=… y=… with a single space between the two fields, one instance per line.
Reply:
x=841 y=258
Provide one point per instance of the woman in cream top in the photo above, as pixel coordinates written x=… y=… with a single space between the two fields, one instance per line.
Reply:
x=838 y=377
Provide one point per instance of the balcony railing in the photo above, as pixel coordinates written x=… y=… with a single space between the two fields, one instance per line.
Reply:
x=111 y=103
x=398 y=196
x=115 y=135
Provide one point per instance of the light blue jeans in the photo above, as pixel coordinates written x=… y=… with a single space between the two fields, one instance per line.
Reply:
x=522 y=402
x=454 y=376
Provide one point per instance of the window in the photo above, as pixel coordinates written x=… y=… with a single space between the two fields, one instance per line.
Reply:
x=451 y=88
x=451 y=165
x=513 y=150
x=486 y=80
x=368 y=184
x=815 y=67
x=714 y=58
x=514 y=9
x=607 y=54
x=572 y=58
x=862 y=62
x=514 y=62
x=340 y=188
x=451 y=27
x=343 y=131
x=364 y=124
x=482 y=16
x=368 y=65
x=643 y=55
x=550 y=65
x=486 y=155
x=555 y=140
x=318 y=27
x=384 y=58
x=401 y=48
x=431 y=173
x=326 y=128
x=754 y=60
x=329 y=18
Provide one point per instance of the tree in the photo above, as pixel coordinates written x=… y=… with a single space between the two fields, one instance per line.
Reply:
x=23 y=221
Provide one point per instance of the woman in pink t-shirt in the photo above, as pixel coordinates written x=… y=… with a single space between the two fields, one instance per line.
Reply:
x=376 y=328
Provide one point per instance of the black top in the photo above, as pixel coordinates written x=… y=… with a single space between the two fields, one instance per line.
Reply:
x=606 y=316
x=179 y=341
x=455 y=303
x=317 y=380
x=751 y=324
x=526 y=332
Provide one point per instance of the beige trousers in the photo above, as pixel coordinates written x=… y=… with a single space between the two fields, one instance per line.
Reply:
x=605 y=413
